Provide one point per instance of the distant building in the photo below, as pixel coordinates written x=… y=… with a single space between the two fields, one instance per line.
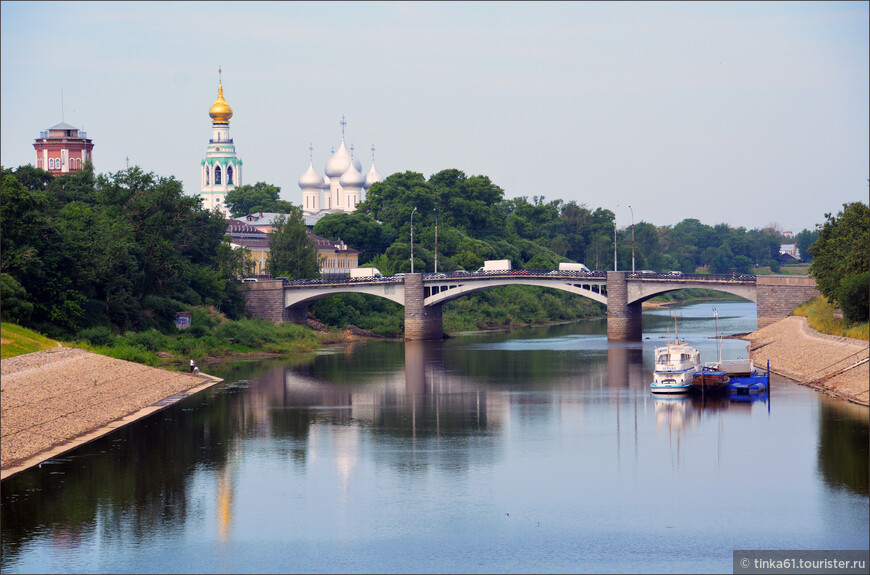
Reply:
x=243 y=235
x=788 y=235
x=342 y=188
x=252 y=231
x=62 y=149
x=221 y=169
x=790 y=250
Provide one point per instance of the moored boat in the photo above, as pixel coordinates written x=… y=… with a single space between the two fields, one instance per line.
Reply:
x=710 y=379
x=675 y=365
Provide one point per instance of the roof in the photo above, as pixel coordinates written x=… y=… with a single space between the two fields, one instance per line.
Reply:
x=238 y=227
x=262 y=218
x=251 y=243
x=325 y=244
x=63 y=126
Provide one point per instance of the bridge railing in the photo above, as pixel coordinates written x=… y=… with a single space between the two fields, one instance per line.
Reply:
x=547 y=274
x=538 y=274
x=692 y=277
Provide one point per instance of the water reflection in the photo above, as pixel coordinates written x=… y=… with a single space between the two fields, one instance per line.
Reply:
x=420 y=443
x=844 y=442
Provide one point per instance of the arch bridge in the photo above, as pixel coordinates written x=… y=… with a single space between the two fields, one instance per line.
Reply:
x=423 y=295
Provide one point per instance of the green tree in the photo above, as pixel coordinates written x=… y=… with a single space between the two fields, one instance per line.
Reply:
x=260 y=197
x=804 y=240
x=358 y=231
x=292 y=252
x=15 y=308
x=842 y=252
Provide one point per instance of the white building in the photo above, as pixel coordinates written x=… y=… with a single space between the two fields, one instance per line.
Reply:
x=342 y=188
x=221 y=167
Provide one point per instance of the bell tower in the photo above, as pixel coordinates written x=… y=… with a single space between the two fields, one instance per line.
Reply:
x=221 y=167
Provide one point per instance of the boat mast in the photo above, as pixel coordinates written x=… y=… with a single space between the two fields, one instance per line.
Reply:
x=718 y=338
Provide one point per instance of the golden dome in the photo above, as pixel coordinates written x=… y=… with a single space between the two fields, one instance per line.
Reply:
x=220 y=111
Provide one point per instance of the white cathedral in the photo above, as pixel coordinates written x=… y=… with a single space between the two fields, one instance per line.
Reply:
x=342 y=188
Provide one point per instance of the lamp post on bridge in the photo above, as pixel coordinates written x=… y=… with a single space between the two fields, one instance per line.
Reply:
x=614 y=238
x=412 y=238
x=436 y=239
x=632 y=239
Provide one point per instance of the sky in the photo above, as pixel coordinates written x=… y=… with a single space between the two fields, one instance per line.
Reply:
x=747 y=114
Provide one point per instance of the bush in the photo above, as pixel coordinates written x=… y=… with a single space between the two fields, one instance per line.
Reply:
x=99 y=336
x=152 y=340
x=854 y=298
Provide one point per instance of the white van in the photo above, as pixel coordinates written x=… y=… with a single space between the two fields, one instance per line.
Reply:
x=572 y=267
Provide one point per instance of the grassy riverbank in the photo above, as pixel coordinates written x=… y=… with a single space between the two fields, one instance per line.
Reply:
x=821 y=316
x=17 y=340
x=212 y=337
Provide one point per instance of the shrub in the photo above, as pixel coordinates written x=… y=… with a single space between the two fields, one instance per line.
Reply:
x=152 y=340
x=99 y=336
x=854 y=297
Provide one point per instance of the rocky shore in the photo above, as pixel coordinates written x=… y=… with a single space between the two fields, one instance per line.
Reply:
x=836 y=366
x=55 y=400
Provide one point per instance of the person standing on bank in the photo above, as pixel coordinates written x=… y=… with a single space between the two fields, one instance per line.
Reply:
x=192 y=365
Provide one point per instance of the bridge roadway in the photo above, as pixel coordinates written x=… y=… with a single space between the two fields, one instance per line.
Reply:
x=422 y=295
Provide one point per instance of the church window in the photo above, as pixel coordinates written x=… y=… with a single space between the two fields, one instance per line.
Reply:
x=229 y=175
x=206 y=175
x=217 y=175
x=51 y=163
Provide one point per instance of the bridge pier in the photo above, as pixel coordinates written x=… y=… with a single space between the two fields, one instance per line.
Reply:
x=421 y=322
x=297 y=314
x=624 y=320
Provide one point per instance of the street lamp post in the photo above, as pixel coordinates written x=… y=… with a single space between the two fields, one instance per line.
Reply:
x=412 y=238
x=436 y=240
x=632 y=239
x=614 y=238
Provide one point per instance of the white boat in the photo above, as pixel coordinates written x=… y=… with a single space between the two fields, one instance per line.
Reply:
x=675 y=365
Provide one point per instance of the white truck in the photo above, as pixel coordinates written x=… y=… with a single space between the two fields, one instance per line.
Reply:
x=357 y=273
x=496 y=265
x=572 y=267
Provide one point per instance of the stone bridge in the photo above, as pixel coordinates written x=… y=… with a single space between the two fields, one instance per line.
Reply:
x=423 y=295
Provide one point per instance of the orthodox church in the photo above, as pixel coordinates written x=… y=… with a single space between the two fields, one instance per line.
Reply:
x=342 y=187
x=221 y=167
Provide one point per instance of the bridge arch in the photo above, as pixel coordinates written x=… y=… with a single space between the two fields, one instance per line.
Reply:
x=639 y=292
x=592 y=288
x=299 y=297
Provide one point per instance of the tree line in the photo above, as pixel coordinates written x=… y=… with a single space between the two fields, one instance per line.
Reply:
x=475 y=222
x=130 y=249
x=126 y=250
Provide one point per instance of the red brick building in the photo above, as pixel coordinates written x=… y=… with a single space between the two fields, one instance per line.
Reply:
x=62 y=149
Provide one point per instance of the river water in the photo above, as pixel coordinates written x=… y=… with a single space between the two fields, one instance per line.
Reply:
x=533 y=450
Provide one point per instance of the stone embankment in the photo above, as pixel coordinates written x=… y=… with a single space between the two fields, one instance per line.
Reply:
x=55 y=400
x=837 y=366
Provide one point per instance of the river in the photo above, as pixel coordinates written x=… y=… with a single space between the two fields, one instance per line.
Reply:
x=532 y=450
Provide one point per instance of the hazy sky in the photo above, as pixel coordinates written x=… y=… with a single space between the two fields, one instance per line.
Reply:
x=739 y=113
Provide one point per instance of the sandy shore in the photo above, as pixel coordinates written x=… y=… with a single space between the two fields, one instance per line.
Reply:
x=55 y=400
x=837 y=366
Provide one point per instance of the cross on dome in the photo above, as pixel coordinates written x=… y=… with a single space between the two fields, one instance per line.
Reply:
x=343 y=124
